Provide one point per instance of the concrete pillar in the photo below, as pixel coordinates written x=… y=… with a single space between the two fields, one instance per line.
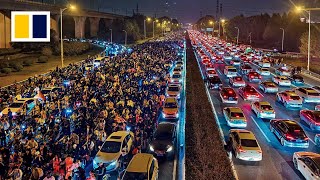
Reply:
x=5 y=30
x=94 y=26
x=79 y=27
x=108 y=22
x=54 y=23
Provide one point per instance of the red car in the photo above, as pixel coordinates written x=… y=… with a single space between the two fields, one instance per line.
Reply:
x=312 y=118
x=254 y=76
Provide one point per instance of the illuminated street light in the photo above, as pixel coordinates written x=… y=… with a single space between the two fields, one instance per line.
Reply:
x=221 y=21
x=153 y=27
x=308 y=10
x=212 y=23
x=72 y=7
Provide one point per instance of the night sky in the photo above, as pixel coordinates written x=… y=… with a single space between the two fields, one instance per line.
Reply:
x=190 y=10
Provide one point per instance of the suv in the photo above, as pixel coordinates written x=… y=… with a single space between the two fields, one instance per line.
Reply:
x=228 y=95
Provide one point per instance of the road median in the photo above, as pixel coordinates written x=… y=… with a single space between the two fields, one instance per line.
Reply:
x=205 y=154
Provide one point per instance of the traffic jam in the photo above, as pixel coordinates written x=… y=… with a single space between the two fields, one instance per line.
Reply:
x=268 y=116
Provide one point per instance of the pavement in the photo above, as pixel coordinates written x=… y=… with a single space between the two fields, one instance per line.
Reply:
x=277 y=160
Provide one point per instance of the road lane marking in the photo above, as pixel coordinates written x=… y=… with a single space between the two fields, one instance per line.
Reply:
x=261 y=130
x=219 y=72
x=174 y=168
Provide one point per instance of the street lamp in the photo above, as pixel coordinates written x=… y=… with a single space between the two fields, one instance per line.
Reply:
x=308 y=10
x=153 y=27
x=212 y=23
x=61 y=36
x=250 y=37
x=237 y=35
x=144 y=27
x=125 y=37
x=221 y=21
x=110 y=35
x=282 y=39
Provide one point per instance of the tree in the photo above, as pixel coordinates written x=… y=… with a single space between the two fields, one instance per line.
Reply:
x=314 y=43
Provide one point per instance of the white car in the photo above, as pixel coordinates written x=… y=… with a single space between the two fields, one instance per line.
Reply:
x=230 y=71
x=176 y=78
x=289 y=99
x=264 y=63
x=245 y=145
x=268 y=87
x=235 y=117
x=308 y=163
x=18 y=106
x=89 y=67
x=264 y=71
x=281 y=80
x=308 y=94
x=283 y=71
x=237 y=81
x=263 y=110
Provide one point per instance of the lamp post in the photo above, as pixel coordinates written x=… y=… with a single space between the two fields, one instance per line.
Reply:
x=110 y=35
x=125 y=37
x=153 y=27
x=237 y=35
x=212 y=23
x=145 y=28
x=282 y=39
x=308 y=10
x=61 y=34
x=250 y=37
x=222 y=22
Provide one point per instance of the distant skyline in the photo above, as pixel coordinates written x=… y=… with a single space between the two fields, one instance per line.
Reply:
x=190 y=10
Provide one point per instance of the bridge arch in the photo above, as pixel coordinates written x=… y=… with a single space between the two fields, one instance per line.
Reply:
x=68 y=26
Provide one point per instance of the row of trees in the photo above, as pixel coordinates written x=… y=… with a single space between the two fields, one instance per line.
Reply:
x=266 y=31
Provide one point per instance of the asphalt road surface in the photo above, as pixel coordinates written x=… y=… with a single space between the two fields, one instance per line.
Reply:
x=277 y=160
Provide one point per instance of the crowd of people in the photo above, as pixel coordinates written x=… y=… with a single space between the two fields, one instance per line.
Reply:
x=61 y=135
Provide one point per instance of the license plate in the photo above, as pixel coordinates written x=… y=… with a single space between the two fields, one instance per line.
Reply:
x=230 y=98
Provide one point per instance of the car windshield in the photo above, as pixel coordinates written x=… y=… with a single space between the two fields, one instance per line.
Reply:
x=135 y=176
x=16 y=105
x=249 y=143
x=111 y=147
x=284 y=78
x=170 y=105
x=176 y=76
x=313 y=94
x=236 y=114
x=266 y=107
x=232 y=70
x=162 y=135
x=173 y=88
x=263 y=69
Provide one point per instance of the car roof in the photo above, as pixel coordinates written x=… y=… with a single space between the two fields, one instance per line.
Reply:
x=235 y=109
x=170 y=100
x=310 y=90
x=264 y=103
x=118 y=136
x=140 y=163
x=165 y=127
x=244 y=134
x=290 y=93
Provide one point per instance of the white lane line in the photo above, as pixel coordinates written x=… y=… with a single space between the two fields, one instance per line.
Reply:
x=174 y=169
x=312 y=141
x=219 y=72
x=261 y=130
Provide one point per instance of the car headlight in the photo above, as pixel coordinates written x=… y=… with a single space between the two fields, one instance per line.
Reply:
x=170 y=149
x=163 y=114
x=177 y=115
x=14 y=113
x=151 y=148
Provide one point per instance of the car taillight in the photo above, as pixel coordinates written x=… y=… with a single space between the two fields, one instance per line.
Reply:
x=306 y=138
x=242 y=150
x=251 y=76
x=224 y=96
x=259 y=151
x=289 y=137
x=260 y=77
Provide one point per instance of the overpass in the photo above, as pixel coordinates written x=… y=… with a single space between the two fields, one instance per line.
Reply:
x=76 y=24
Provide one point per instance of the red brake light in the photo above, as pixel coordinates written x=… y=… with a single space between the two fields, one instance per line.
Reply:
x=242 y=150
x=224 y=96
x=289 y=137
x=306 y=138
x=251 y=76
x=230 y=92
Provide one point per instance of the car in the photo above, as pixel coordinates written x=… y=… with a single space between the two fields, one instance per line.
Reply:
x=228 y=95
x=89 y=67
x=312 y=118
x=281 y=80
x=164 y=140
x=268 y=87
x=263 y=109
x=283 y=71
x=264 y=71
x=289 y=99
x=179 y=64
x=230 y=71
x=170 y=108
x=254 y=76
x=264 y=63
x=309 y=95
x=237 y=81
x=214 y=82
x=173 y=90
x=296 y=79
x=317 y=88
x=317 y=107
x=18 y=106
x=245 y=69
x=177 y=70
x=218 y=59
x=97 y=61
x=235 y=117
x=46 y=91
x=210 y=67
x=211 y=73
x=176 y=78
x=235 y=62
x=142 y=166
x=289 y=132
x=249 y=93
x=205 y=59
x=118 y=144
x=308 y=163
x=245 y=145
